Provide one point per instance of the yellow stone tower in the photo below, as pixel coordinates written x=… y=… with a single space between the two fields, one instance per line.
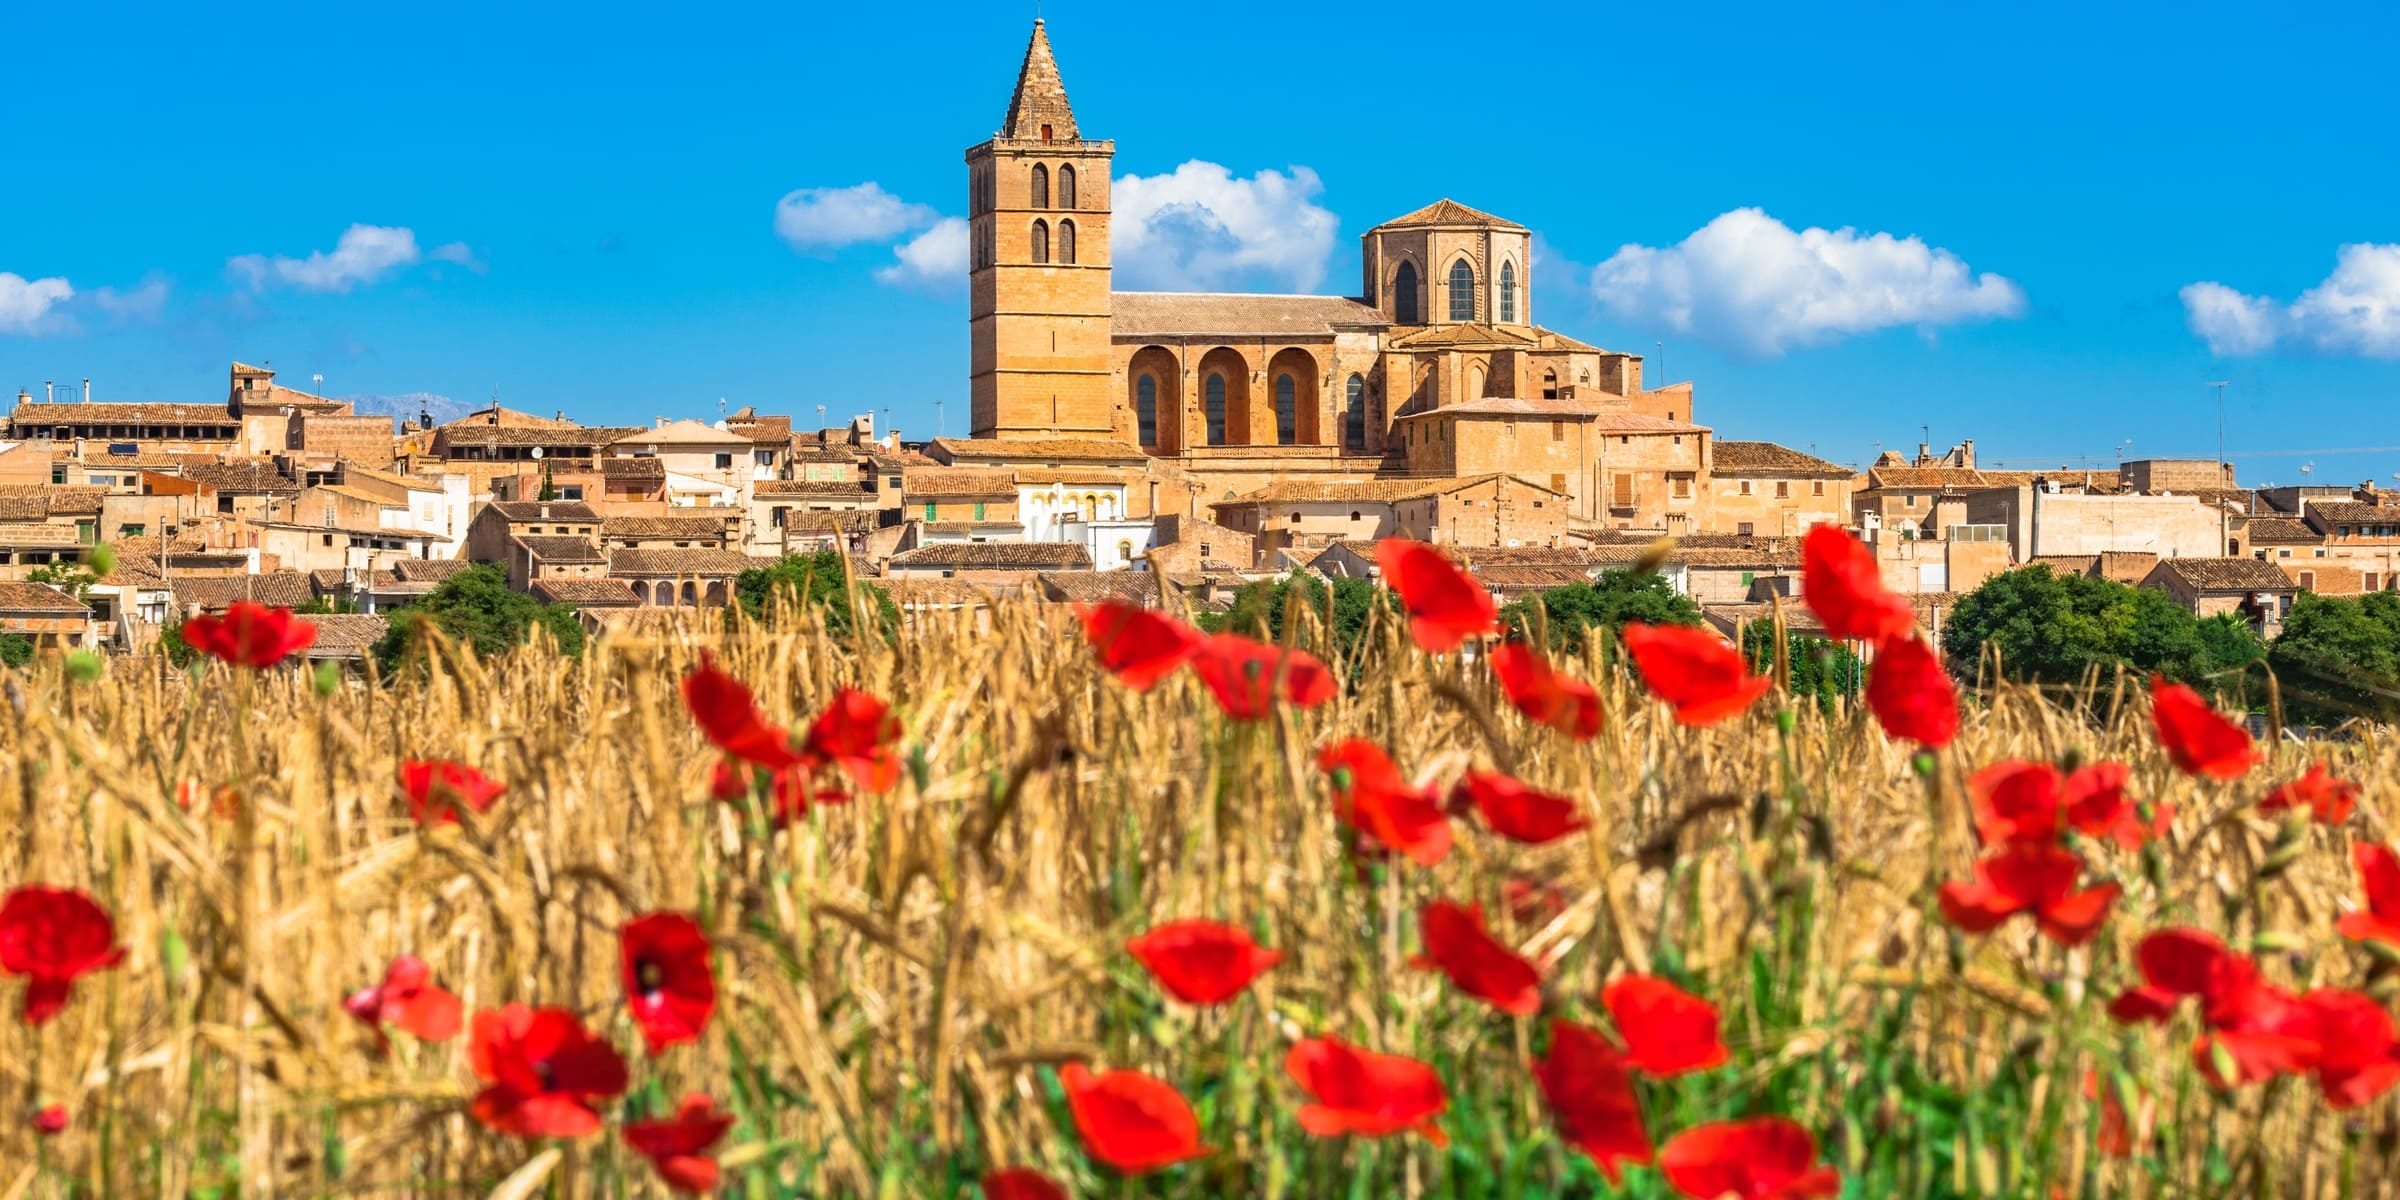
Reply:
x=1037 y=204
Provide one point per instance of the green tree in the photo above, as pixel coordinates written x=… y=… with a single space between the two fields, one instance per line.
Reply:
x=1259 y=609
x=1823 y=669
x=2339 y=658
x=73 y=578
x=478 y=607
x=2053 y=628
x=15 y=649
x=1608 y=602
x=817 y=581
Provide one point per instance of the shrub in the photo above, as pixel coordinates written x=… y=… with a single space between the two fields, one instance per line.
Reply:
x=477 y=606
x=1608 y=602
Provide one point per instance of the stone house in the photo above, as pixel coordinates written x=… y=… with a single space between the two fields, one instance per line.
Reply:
x=500 y=522
x=1766 y=490
x=46 y=614
x=679 y=578
x=2258 y=592
x=987 y=562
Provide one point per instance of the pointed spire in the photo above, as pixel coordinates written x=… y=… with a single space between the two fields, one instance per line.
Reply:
x=1041 y=97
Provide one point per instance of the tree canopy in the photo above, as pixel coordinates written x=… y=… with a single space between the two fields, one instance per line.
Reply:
x=817 y=582
x=1608 y=602
x=1259 y=609
x=476 y=606
x=1823 y=669
x=2053 y=628
x=2340 y=658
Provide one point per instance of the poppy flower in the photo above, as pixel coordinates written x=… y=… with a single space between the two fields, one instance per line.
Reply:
x=2379 y=877
x=1373 y=798
x=1247 y=676
x=1445 y=605
x=1021 y=1183
x=2357 y=1056
x=2115 y=1138
x=223 y=801
x=249 y=634
x=1694 y=670
x=2326 y=798
x=52 y=1119
x=1138 y=646
x=1911 y=695
x=729 y=780
x=1543 y=694
x=437 y=787
x=2199 y=738
x=667 y=981
x=2095 y=803
x=1131 y=1121
x=1588 y=1087
x=1530 y=900
x=1667 y=1030
x=677 y=1146
x=541 y=1072
x=1763 y=1158
x=2029 y=877
x=407 y=1000
x=2274 y=1034
x=53 y=936
x=1842 y=584
x=2176 y=963
x=728 y=717
x=1515 y=811
x=1202 y=962
x=1478 y=964
x=2017 y=801
x=1362 y=1092
x=855 y=733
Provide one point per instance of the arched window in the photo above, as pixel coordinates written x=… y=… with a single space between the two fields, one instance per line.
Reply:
x=1287 y=409
x=1404 y=294
x=1508 y=293
x=691 y=595
x=1462 y=291
x=1041 y=242
x=1354 y=415
x=1041 y=186
x=1066 y=241
x=1213 y=394
x=1066 y=186
x=1550 y=385
x=1145 y=408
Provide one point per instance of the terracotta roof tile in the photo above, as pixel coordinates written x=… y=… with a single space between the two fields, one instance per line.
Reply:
x=1029 y=450
x=1768 y=458
x=546 y=510
x=599 y=593
x=346 y=634
x=996 y=556
x=1091 y=587
x=37 y=597
x=2228 y=574
x=280 y=589
x=828 y=489
x=245 y=479
x=551 y=548
x=1446 y=211
x=32 y=417
x=689 y=528
x=929 y=483
x=1234 y=314
x=679 y=562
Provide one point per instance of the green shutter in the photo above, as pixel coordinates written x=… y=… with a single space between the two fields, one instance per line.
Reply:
x=929 y=510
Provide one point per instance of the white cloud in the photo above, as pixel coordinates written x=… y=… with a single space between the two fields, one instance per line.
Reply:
x=1200 y=227
x=25 y=304
x=935 y=260
x=1748 y=282
x=125 y=305
x=819 y=219
x=2356 y=310
x=364 y=254
x=459 y=253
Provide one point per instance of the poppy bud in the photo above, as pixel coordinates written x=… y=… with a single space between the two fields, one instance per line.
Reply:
x=83 y=666
x=1786 y=720
x=327 y=679
x=1924 y=764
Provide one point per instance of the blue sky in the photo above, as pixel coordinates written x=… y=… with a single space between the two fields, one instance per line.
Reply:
x=579 y=208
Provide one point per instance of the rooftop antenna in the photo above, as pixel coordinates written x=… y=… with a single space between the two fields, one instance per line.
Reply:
x=939 y=429
x=2220 y=386
x=317 y=381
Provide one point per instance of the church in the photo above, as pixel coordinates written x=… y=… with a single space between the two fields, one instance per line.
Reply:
x=1436 y=369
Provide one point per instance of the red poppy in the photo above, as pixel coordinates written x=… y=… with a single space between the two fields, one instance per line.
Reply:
x=1667 y=1030
x=1140 y=647
x=1589 y=1089
x=1477 y=963
x=1910 y=693
x=1843 y=585
x=667 y=980
x=2326 y=798
x=2255 y=1029
x=223 y=801
x=2199 y=738
x=1202 y=962
x=52 y=1119
x=677 y=1146
x=2029 y=877
x=53 y=936
x=1129 y=1120
x=729 y=780
x=1695 y=670
x=856 y=733
x=2275 y=1033
x=437 y=787
x=2115 y=1138
x=1359 y=1091
x=1515 y=811
x=541 y=1072
x=1763 y=1158
x=1530 y=900
x=1372 y=797
x=1247 y=676
x=407 y=1000
x=1545 y=696
x=2379 y=877
x=2016 y=801
x=1021 y=1183
x=723 y=709
x=1445 y=605
x=2095 y=803
x=249 y=634
x=2357 y=1057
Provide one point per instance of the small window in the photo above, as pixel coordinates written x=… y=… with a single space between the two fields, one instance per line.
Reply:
x=1066 y=242
x=2308 y=579
x=725 y=462
x=1817 y=488
x=1783 y=489
x=1204 y=550
x=1354 y=514
x=1041 y=184
x=1041 y=242
x=2371 y=581
x=979 y=510
x=1743 y=529
x=930 y=510
x=1745 y=487
x=1045 y=139
x=1558 y=431
x=1066 y=187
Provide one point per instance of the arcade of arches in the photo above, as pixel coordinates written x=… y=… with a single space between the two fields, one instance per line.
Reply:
x=1229 y=396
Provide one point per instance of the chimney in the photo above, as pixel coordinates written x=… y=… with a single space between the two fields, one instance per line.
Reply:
x=1968 y=452
x=562 y=414
x=87 y=391
x=49 y=392
x=545 y=512
x=24 y=397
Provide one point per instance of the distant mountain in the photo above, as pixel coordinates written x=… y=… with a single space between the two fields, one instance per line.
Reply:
x=407 y=405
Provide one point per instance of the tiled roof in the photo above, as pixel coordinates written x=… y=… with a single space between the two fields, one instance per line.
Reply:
x=245 y=478
x=1955 y=478
x=546 y=510
x=1028 y=450
x=632 y=468
x=61 y=500
x=2067 y=564
x=1551 y=339
x=2353 y=513
x=929 y=483
x=507 y=435
x=1095 y=476
x=36 y=416
x=828 y=489
x=678 y=562
x=414 y=483
x=992 y=556
x=2228 y=574
x=2274 y=531
x=133 y=570
x=970 y=528
x=681 y=433
x=1379 y=491
x=346 y=635
x=1796 y=617
x=888 y=460
x=935 y=593
x=1468 y=335
x=429 y=570
x=1532 y=578
x=24 y=508
x=1234 y=314
x=37 y=535
x=1091 y=587
x=281 y=589
x=597 y=593
x=551 y=548
x=1448 y=212
x=692 y=528
x=2125 y=566
x=1767 y=458
x=37 y=597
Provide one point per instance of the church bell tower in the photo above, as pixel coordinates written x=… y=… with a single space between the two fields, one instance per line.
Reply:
x=1037 y=267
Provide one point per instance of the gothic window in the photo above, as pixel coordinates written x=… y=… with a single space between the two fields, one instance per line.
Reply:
x=1404 y=294
x=1041 y=242
x=1066 y=186
x=1041 y=186
x=1354 y=415
x=1462 y=291
x=1549 y=378
x=1145 y=408
x=1066 y=241
x=1508 y=293
x=1214 y=399
x=1287 y=409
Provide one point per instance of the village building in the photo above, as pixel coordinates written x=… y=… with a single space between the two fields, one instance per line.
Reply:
x=1766 y=490
x=987 y=562
x=2257 y=592
x=688 y=578
x=46 y=615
